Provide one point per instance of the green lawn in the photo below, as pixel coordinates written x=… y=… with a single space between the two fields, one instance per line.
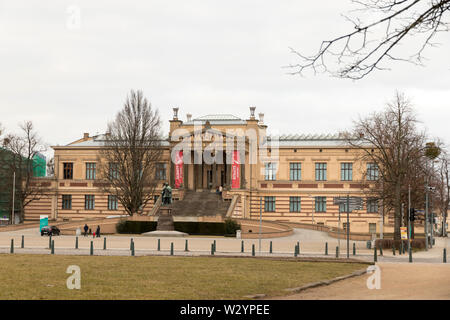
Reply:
x=151 y=277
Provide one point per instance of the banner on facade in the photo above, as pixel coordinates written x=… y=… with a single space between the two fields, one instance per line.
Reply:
x=235 y=171
x=179 y=169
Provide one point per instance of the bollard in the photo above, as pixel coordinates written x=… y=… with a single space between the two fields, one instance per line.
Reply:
x=410 y=254
x=132 y=248
x=242 y=246
x=131 y=242
x=159 y=244
x=253 y=250
x=53 y=247
x=212 y=249
x=381 y=250
x=23 y=242
x=171 y=248
x=326 y=248
x=354 y=249
x=76 y=243
x=393 y=249
x=215 y=246
x=337 y=252
x=375 y=259
x=186 y=246
x=104 y=243
x=12 y=246
x=50 y=241
x=92 y=248
x=270 y=249
x=444 y=258
x=298 y=247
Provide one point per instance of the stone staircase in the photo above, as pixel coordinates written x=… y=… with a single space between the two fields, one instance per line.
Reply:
x=200 y=203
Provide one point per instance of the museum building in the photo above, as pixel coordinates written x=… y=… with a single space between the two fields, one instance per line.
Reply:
x=291 y=178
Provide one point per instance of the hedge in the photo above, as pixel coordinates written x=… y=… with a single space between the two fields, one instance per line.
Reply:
x=193 y=228
x=387 y=243
x=135 y=227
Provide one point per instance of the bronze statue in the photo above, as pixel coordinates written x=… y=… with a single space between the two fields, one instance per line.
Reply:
x=166 y=194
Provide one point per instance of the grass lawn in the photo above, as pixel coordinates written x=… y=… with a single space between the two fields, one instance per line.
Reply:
x=158 y=278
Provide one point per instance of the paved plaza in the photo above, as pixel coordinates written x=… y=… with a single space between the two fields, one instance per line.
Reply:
x=312 y=245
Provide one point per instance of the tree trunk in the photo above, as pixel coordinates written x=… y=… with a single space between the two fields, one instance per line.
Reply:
x=398 y=213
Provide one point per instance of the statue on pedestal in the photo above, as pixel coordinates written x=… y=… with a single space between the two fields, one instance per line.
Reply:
x=166 y=194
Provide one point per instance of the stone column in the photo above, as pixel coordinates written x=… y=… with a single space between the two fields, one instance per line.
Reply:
x=214 y=175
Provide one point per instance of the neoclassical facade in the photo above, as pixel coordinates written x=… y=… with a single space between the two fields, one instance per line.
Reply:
x=285 y=178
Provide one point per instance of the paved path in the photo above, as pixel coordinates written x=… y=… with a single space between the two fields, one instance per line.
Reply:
x=398 y=281
x=312 y=244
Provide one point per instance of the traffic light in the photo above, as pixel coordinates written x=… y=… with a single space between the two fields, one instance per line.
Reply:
x=412 y=213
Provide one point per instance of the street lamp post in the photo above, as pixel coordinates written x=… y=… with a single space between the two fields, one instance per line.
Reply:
x=13 y=218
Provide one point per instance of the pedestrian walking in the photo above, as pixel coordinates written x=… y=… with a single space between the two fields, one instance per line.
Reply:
x=85 y=229
x=97 y=232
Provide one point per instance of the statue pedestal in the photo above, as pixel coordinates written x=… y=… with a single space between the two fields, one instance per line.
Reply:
x=165 y=220
x=165 y=227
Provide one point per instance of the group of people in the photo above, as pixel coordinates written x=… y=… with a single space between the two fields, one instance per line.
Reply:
x=96 y=233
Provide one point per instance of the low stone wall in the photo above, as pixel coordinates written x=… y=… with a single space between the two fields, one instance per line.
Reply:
x=268 y=229
x=332 y=231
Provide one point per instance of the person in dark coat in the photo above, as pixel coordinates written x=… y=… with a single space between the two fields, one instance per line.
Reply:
x=97 y=232
x=86 y=228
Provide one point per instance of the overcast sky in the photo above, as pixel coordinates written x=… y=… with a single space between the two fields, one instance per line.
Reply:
x=201 y=56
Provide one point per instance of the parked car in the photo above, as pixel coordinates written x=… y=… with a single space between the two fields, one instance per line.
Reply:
x=50 y=231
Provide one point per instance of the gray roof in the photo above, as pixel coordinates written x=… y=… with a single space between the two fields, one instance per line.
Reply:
x=307 y=140
x=216 y=119
x=99 y=141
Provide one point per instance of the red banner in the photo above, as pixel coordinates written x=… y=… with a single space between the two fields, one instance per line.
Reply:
x=236 y=171
x=179 y=169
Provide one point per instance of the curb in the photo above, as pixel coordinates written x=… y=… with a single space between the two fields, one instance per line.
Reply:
x=313 y=284
x=326 y=282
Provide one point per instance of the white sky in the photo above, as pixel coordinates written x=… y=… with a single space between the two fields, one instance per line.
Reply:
x=204 y=57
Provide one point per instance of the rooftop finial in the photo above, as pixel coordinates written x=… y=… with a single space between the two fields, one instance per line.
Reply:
x=252 y=113
x=175 y=113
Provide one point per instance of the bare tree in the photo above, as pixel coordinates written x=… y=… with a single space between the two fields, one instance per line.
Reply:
x=373 y=43
x=390 y=142
x=17 y=157
x=132 y=150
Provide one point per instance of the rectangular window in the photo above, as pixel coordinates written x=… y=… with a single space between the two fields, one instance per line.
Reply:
x=321 y=204
x=90 y=171
x=66 y=201
x=294 y=204
x=372 y=228
x=346 y=171
x=89 y=202
x=112 y=202
x=113 y=171
x=271 y=171
x=372 y=206
x=269 y=204
x=68 y=170
x=295 y=172
x=161 y=171
x=372 y=172
x=321 y=171
x=343 y=207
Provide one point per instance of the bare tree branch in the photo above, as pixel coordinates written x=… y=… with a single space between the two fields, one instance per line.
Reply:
x=363 y=50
